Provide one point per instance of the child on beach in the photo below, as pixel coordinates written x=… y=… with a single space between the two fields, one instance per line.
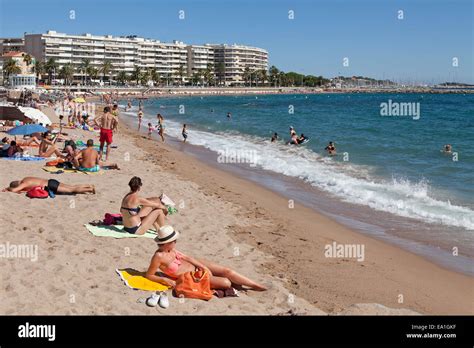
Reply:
x=184 y=133
x=150 y=129
x=140 y=115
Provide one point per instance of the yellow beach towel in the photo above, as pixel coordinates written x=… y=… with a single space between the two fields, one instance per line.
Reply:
x=136 y=280
x=54 y=170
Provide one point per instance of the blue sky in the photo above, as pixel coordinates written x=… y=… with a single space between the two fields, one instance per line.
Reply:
x=420 y=47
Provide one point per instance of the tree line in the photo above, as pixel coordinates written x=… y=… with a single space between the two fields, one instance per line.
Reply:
x=211 y=76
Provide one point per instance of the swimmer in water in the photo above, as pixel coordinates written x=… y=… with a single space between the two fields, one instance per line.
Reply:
x=447 y=148
x=331 y=149
x=229 y=115
x=274 y=137
x=301 y=139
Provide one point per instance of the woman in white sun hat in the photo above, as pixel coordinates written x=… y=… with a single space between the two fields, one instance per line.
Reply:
x=173 y=263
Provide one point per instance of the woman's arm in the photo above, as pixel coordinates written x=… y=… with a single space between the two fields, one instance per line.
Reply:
x=153 y=268
x=149 y=203
x=195 y=262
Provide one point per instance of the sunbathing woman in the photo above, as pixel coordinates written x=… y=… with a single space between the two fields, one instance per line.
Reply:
x=139 y=214
x=173 y=263
x=48 y=146
x=28 y=142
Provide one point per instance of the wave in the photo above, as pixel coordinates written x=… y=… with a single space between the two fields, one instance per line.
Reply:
x=351 y=183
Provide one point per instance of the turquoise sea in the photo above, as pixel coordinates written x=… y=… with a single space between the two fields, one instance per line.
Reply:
x=392 y=165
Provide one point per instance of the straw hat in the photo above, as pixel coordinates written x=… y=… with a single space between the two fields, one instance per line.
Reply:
x=166 y=234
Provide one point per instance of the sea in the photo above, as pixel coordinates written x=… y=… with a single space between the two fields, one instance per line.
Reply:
x=390 y=178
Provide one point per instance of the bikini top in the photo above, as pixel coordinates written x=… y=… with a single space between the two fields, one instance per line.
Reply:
x=135 y=211
x=174 y=265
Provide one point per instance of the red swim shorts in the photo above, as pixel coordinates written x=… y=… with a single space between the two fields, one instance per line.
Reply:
x=106 y=136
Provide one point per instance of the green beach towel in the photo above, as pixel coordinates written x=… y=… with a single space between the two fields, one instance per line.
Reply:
x=116 y=231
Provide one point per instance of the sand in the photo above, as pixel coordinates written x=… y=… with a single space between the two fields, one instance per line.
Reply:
x=221 y=218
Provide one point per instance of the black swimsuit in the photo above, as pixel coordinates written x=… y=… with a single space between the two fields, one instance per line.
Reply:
x=52 y=186
x=134 y=229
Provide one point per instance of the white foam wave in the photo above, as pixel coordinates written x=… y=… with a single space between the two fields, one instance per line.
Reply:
x=351 y=183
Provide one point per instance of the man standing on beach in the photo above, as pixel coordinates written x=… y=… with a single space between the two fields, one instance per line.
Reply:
x=107 y=123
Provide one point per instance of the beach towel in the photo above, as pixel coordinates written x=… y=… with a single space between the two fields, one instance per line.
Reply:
x=55 y=170
x=116 y=231
x=136 y=280
x=24 y=158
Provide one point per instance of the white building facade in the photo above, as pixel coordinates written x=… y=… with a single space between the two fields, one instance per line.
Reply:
x=174 y=61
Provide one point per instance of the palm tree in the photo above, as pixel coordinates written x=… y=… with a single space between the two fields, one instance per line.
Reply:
x=10 y=67
x=197 y=77
x=92 y=72
x=273 y=71
x=282 y=79
x=85 y=67
x=28 y=60
x=67 y=73
x=154 y=76
x=220 y=71
x=209 y=74
x=247 y=76
x=262 y=76
x=180 y=74
x=39 y=69
x=136 y=73
x=122 y=77
x=50 y=68
x=144 y=77
x=105 y=69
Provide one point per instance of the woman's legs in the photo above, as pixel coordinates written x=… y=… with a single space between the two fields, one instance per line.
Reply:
x=52 y=150
x=219 y=271
x=156 y=218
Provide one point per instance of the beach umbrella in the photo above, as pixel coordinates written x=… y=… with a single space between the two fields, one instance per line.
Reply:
x=27 y=129
x=79 y=100
x=36 y=115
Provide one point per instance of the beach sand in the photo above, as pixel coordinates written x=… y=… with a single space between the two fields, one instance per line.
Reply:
x=221 y=218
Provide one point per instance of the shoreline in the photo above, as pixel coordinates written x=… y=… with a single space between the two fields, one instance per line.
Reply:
x=221 y=215
x=388 y=266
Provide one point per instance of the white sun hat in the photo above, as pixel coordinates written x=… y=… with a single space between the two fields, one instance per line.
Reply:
x=166 y=234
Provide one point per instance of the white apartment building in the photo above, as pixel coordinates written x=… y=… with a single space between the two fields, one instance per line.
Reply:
x=236 y=59
x=169 y=59
x=199 y=58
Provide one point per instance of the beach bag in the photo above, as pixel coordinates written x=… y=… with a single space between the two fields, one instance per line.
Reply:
x=37 y=192
x=55 y=162
x=112 y=219
x=195 y=284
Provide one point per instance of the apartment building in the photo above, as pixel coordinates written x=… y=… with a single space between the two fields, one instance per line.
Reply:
x=11 y=44
x=175 y=61
x=199 y=58
x=236 y=60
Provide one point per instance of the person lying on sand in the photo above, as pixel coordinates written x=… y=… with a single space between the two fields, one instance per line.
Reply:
x=28 y=142
x=14 y=149
x=88 y=159
x=173 y=263
x=139 y=214
x=52 y=185
x=48 y=147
